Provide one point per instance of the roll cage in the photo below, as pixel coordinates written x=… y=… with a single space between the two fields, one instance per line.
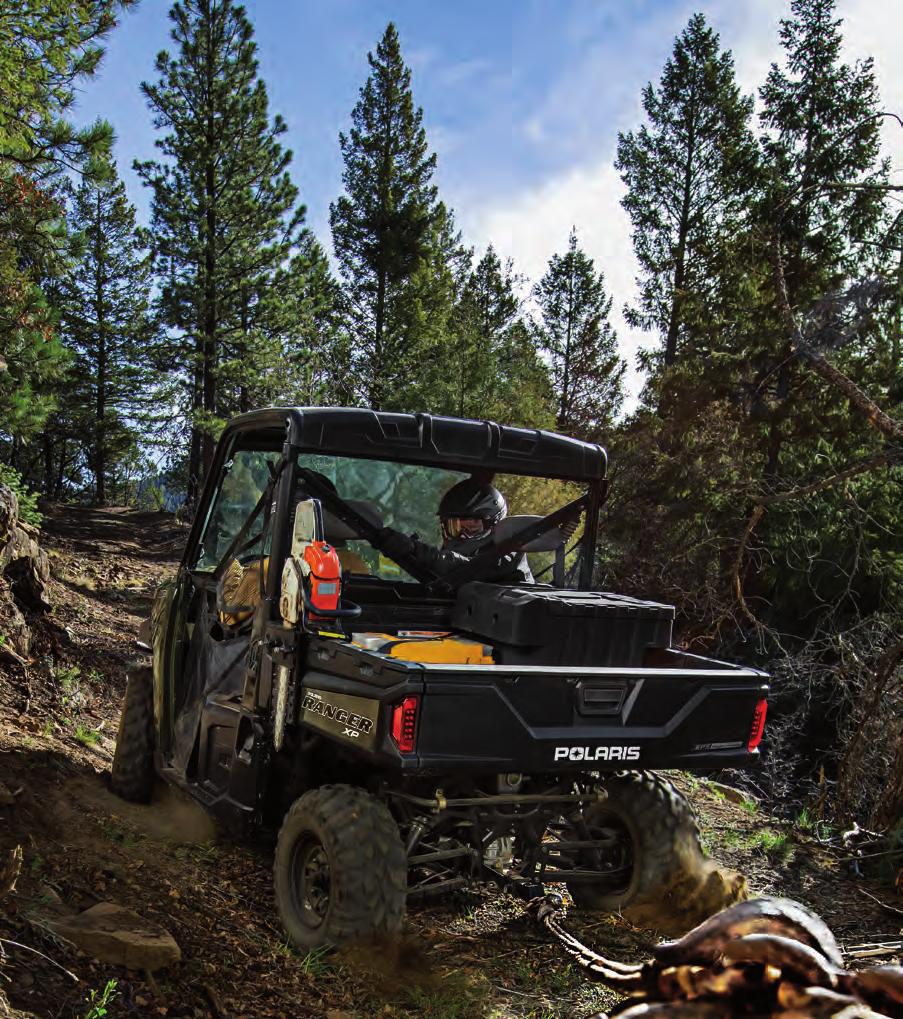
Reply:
x=481 y=448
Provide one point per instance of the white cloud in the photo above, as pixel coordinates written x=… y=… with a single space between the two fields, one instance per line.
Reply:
x=874 y=28
x=455 y=75
x=532 y=224
x=535 y=224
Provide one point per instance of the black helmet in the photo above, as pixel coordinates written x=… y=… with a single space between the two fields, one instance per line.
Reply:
x=471 y=500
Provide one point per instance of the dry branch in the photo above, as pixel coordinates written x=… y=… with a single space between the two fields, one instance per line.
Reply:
x=873 y=414
x=885 y=668
x=751 y=524
x=869 y=463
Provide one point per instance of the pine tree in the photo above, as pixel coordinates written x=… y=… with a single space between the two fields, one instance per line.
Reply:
x=308 y=322
x=392 y=236
x=488 y=366
x=47 y=48
x=819 y=206
x=486 y=310
x=224 y=216
x=587 y=372
x=747 y=416
x=822 y=136
x=104 y=304
x=688 y=174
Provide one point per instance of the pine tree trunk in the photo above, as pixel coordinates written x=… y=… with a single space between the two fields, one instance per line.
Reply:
x=564 y=406
x=683 y=231
x=674 y=317
x=101 y=394
x=890 y=806
x=376 y=378
x=897 y=325
x=47 y=486
x=680 y=264
x=193 y=489
x=209 y=360
x=61 y=472
x=244 y=391
x=791 y=277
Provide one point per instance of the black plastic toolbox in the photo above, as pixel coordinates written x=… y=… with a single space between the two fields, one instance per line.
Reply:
x=540 y=625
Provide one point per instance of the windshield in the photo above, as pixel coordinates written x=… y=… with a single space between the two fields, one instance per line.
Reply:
x=406 y=497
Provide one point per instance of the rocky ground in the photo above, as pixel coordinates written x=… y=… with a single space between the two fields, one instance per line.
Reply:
x=196 y=893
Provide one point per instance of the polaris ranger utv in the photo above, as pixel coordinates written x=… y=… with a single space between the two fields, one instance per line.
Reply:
x=409 y=732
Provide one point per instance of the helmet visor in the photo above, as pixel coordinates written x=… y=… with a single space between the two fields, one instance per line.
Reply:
x=463 y=527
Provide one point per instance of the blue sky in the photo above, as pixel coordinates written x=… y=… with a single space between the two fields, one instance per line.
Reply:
x=522 y=101
x=486 y=74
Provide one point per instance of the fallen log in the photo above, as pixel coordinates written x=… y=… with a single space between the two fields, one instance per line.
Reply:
x=760 y=957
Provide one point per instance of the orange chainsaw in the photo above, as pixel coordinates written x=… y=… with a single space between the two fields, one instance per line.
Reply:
x=312 y=575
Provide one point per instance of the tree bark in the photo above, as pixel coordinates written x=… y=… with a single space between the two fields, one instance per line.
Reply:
x=209 y=359
x=683 y=230
x=376 y=380
x=100 y=405
x=564 y=406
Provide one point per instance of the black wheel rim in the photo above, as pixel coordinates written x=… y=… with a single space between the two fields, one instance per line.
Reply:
x=611 y=866
x=619 y=860
x=311 y=881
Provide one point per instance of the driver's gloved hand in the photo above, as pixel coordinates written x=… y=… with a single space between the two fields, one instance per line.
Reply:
x=393 y=543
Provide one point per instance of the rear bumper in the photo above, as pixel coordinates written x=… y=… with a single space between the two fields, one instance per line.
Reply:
x=545 y=720
x=663 y=722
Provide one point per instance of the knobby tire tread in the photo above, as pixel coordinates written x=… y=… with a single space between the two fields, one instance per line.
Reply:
x=132 y=775
x=666 y=831
x=367 y=861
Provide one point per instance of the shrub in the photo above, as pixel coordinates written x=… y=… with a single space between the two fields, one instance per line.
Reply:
x=28 y=501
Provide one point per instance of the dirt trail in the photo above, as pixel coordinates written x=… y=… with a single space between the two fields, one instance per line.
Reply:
x=476 y=957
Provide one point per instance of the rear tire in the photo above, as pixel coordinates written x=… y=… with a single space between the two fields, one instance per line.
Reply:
x=132 y=775
x=664 y=841
x=340 y=870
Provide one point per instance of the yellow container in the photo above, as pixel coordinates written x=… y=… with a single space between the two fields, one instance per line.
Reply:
x=434 y=648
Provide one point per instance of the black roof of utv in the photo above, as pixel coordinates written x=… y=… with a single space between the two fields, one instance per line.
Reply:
x=453 y=443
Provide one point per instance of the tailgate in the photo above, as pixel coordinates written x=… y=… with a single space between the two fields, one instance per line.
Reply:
x=693 y=713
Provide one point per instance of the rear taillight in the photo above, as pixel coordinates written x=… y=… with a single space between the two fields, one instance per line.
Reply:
x=404 y=724
x=758 y=725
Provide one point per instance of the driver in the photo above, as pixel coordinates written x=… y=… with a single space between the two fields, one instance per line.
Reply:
x=468 y=514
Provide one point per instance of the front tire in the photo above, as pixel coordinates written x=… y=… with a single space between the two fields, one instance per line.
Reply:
x=664 y=851
x=132 y=775
x=340 y=870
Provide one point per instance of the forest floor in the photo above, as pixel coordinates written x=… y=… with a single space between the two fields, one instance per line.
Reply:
x=478 y=956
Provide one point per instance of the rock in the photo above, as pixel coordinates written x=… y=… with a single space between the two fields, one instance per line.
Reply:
x=114 y=934
x=732 y=794
x=24 y=575
x=16 y=633
x=9 y=512
x=7 y=796
x=28 y=576
x=49 y=898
